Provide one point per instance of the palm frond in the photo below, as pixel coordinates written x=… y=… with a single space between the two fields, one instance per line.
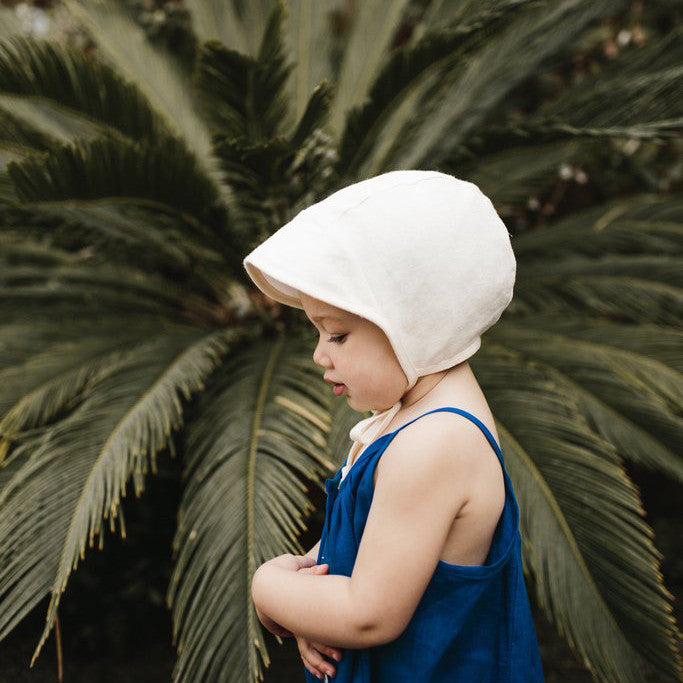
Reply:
x=313 y=117
x=277 y=178
x=513 y=173
x=371 y=127
x=218 y=20
x=35 y=269
x=162 y=171
x=56 y=88
x=657 y=342
x=637 y=279
x=47 y=283
x=259 y=428
x=595 y=568
x=643 y=85
x=172 y=243
x=166 y=87
x=626 y=297
x=631 y=400
x=308 y=44
x=369 y=38
x=646 y=224
x=18 y=138
x=463 y=99
x=245 y=96
x=8 y=195
x=120 y=420
x=31 y=358
x=10 y=25
x=272 y=171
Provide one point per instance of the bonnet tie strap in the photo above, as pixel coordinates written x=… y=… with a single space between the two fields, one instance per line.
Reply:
x=366 y=431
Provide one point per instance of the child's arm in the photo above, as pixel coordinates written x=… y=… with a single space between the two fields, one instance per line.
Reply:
x=317 y=607
x=424 y=482
x=267 y=620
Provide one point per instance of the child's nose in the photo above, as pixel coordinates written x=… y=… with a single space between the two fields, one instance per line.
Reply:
x=320 y=358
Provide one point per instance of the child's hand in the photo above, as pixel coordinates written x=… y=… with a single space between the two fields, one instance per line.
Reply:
x=311 y=653
x=291 y=562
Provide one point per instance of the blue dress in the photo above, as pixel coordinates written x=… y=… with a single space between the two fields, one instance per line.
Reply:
x=473 y=624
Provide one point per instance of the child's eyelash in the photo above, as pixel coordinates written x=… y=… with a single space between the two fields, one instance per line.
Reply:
x=338 y=339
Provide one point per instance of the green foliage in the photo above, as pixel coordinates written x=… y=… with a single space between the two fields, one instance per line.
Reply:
x=131 y=186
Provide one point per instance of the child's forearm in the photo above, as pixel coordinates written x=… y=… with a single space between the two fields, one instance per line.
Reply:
x=317 y=607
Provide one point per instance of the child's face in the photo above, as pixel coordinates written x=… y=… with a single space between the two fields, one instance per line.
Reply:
x=356 y=352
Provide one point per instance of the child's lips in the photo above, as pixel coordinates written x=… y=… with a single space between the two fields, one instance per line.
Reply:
x=339 y=389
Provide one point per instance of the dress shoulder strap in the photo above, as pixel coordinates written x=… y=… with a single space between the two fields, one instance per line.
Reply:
x=469 y=416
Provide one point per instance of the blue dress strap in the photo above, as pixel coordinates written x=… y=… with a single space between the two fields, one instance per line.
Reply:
x=469 y=416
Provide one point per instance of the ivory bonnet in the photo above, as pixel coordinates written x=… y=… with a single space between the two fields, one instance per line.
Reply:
x=421 y=254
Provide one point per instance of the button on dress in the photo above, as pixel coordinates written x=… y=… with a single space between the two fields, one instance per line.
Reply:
x=473 y=624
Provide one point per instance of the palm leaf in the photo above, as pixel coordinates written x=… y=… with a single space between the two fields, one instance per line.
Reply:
x=58 y=89
x=41 y=378
x=308 y=46
x=166 y=87
x=260 y=427
x=172 y=244
x=657 y=342
x=122 y=417
x=163 y=172
x=245 y=96
x=634 y=288
x=514 y=172
x=590 y=552
x=644 y=224
x=462 y=99
x=217 y=20
x=409 y=72
x=643 y=85
x=631 y=400
x=369 y=38
x=269 y=168
x=18 y=138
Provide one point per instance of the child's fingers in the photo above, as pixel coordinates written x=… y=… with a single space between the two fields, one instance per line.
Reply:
x=304 y=561
x=314 y=670
x=319 y=665
x=315 y=569
x=333 y=652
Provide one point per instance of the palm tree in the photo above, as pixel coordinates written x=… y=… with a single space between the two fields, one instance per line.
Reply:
x=134 y=185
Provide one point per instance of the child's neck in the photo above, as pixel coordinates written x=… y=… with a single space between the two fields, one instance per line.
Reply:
x=428 y=383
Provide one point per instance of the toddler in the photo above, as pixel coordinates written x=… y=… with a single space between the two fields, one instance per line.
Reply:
x=418 y=573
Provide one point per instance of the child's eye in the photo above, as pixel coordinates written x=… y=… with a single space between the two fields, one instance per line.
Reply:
x=338 y=339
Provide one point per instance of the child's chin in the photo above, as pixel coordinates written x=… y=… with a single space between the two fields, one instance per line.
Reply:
x=359 y=408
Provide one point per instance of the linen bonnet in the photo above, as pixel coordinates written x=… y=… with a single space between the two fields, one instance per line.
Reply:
x=421 y=254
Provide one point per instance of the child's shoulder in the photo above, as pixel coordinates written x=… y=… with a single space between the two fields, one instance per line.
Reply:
x=449 y=431
x=444 y=442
